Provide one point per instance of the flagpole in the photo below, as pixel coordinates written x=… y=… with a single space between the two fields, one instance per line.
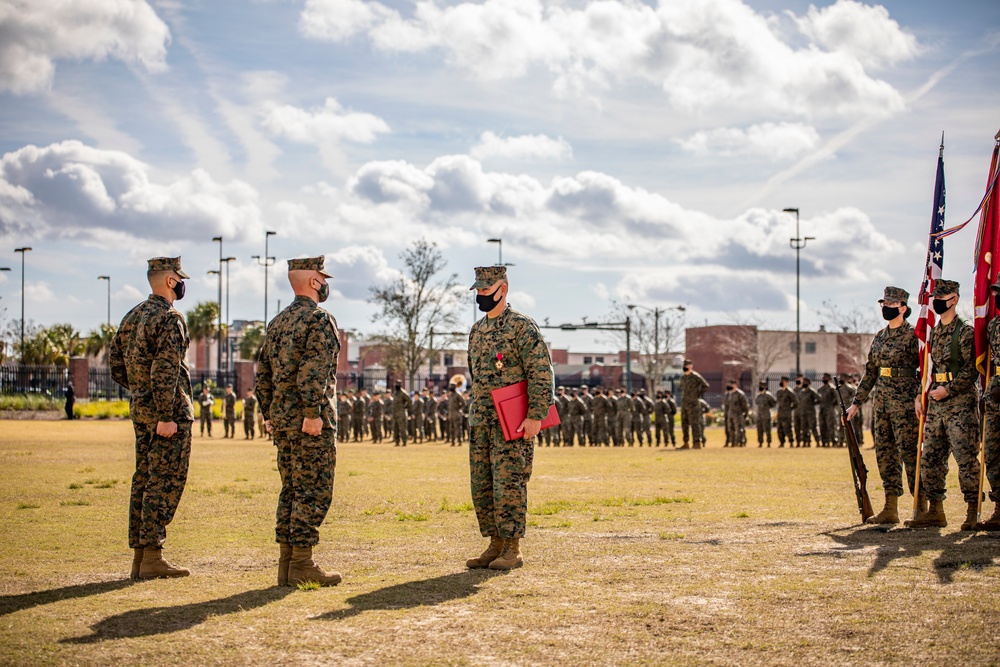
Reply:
x=923 y=420
x=982 y=446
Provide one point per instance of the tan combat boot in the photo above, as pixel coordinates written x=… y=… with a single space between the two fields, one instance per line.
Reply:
x=510 y=558
x=488 y=556
x=993 y=523
x=932 y=518
x=889 y=513
x=284 y=558
x=136 y=562
x=971 y=517
x=301 y=569
x=154 y=567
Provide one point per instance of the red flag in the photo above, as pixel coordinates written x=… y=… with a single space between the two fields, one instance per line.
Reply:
x=987 y=265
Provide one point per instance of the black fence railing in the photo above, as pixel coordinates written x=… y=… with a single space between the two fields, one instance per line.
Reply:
x=217 y=380
x=102 y=387
x=42 y=380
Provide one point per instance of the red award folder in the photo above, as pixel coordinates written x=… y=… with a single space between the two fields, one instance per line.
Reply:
x=511 y=403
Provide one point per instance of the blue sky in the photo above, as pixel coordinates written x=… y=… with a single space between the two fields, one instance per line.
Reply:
x=622 y=150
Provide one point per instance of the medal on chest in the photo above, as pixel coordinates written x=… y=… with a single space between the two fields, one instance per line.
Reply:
x=499 y=362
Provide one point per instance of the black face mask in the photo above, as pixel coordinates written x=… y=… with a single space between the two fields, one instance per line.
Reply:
x=487 y=302
x=889 y=314
x=180 y=289
x=941 y=306
x=996 y=300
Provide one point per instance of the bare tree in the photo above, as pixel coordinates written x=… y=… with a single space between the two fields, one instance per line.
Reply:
x=856 y=323
x=741 y=344
x=654 y=334
x=413 y=305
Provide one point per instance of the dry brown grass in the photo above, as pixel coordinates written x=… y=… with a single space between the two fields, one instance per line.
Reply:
x=634 y=556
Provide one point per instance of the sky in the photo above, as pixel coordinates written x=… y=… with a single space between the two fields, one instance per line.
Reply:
x=638 y=152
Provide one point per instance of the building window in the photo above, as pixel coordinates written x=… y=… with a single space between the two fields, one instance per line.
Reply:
x=588 y=360
x=599 y=360
x=810 y=347
x=449 y=359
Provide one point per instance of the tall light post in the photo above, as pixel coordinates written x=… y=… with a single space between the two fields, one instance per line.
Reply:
x=23 y=250
x=656 y=330
x=108 y=278
x=499 y=243
x=265 y=261
x=798 y=243
x=229 y=350
x=625 y=326
x=218 y=336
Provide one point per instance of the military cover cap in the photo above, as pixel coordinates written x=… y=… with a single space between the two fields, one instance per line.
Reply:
x=944 y=287
x=895 y=294
x=309 y=264
x=487 y=276
x=996 y=286
x=166 y=264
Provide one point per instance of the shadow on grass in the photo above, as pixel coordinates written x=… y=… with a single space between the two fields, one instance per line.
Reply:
x=164 y=620
x=959 y=550
x=414 y=594
x=11 y=603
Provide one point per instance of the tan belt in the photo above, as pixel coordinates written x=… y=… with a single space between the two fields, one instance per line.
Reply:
x=942 y=377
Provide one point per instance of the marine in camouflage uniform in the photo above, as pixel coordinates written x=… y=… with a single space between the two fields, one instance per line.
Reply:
x=601 y=406
x=401 y=403
x=806 y=412
x=992 y=418
x=736 y=416
x=626 y=406
x=296 y=385
x=577 y=408
x=456 y=403
x=148 y=357
x=827 y=412
x=375 y=417
x=848 y=392
x=892 y=381
x=952 y=422
x=359 y=410
x=562 y=408
x=671 y=411
x=763 y=403
x=505 y=347
x=693 y=387
x=588 y=415
x=249 y=415
x=646 y=426
x=229 y=412
x=787 y=402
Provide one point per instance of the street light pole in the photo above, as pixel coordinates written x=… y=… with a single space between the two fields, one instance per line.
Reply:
x=797 y=244
x=23 y=250
x=218 y=336
x=229 y=349
x=265 y=261
x=108 y=278
x=499 y=243
x=656 y=331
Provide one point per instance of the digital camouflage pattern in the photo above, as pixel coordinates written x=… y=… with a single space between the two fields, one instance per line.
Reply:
x=401 y=403
x=161 y=468
x=736 y=409
x=149 y=358
x=805 y=415
x=306 y=464
x=787 y=403
x=577 y=410
x=952 y=425
x=502 y=351
x=763 y=403
x=897 y=426
x=296 y=379
x=693 y=387
x=297 y=368
x=828 y=407
x=992 y=416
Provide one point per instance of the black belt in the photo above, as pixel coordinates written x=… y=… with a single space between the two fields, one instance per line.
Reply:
x=897 y=372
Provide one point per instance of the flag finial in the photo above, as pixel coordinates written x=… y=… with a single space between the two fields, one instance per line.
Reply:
x=941 y=150
x=997 y=136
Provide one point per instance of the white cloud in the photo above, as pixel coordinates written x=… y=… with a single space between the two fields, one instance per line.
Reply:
x=329 y=124
x=866 y=32
x=356 y=268
x=524 y=147
x=71 y=190
x=773 y=141
x=702 y=53
x=521 y=300
x=33 y=35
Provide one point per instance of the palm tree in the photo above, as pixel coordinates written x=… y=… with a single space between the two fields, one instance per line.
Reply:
x=201 y=322
x=99 y=340
x=51 y=346
x=251 y=342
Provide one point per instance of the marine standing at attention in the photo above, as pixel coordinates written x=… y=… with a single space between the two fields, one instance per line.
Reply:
x=505 y=347
x=296 y=386
x=149 y=358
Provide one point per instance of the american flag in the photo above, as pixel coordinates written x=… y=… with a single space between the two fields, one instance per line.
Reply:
x=932 y=273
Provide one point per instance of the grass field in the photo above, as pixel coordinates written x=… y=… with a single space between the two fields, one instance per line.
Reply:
x=633 y=556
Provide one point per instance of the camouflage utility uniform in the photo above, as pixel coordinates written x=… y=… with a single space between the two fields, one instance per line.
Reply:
x=500 y=469
x=992 y=418
x=737 y=408
x=787 y=403
x=401 y=403
x=827 y=414
x=149 y=358
x=891 y=377
x=693 y=387
x=763 y=403
x=952 y=425
x=296 y=376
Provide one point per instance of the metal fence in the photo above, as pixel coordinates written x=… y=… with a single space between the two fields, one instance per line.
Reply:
x=217 y=380
x=42 y=380
x=102 y=387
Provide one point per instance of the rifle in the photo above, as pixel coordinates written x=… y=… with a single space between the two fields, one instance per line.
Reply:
x=858 y=469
